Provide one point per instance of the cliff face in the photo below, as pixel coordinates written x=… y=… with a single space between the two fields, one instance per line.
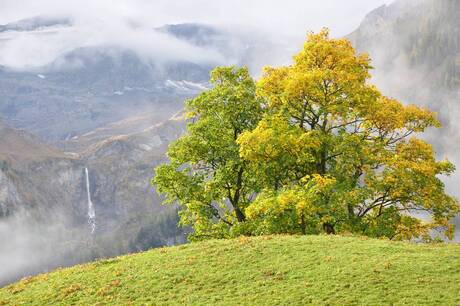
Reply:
x=34 y=175
x=415 y=50
x=415 y=47
x=43 y=198
x=42 y=178
x=121 y=168
x=41 y=186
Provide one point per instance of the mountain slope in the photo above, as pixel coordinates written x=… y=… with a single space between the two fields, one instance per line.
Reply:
x=107 y=85
x=44 y=199
x=415 y=49
x=87 y=86
x=24 y=162
x=269 y=270
x=419 y=36
x=35 y=23
x=17 y=144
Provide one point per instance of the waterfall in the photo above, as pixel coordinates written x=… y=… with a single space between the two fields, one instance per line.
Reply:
x=91 y=211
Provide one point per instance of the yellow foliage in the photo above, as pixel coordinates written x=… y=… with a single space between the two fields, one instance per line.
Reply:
x=326 y=126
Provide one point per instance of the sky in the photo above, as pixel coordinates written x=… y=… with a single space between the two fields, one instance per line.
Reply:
x=286 y=16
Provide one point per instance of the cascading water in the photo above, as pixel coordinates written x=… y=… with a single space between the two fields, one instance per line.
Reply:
x=91 y=211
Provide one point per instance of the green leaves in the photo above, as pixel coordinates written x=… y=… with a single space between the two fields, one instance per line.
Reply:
x=207 y=176
x=301 y=208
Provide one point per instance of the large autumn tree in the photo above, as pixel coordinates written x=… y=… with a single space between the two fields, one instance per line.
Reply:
x=311 y=147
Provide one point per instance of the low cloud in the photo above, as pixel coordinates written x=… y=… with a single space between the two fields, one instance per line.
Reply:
x=32 y=49
x=37 y=245
x=129 y=25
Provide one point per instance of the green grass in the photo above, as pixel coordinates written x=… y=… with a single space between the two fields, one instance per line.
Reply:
x=276 y=270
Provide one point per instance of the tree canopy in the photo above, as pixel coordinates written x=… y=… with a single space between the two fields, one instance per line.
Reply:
x=311 y=147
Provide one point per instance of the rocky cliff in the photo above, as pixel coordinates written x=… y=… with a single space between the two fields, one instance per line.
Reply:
x=415 y=49
x=43 y=198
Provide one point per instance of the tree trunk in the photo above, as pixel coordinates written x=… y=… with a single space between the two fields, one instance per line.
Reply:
x=236 y=198
x=239 y=215
x=329 y=228
x=302 y=224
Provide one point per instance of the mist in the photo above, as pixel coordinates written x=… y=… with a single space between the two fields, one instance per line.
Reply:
x=31 y=246
x=130 y=24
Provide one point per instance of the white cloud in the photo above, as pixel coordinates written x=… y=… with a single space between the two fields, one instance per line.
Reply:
x=288 y=16
x=129 y=24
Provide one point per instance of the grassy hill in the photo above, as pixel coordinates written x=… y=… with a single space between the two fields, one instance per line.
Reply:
x=318 y=270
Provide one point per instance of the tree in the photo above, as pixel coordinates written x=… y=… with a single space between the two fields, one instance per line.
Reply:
x=354 y=164
x=311 y=147
x=206 y=175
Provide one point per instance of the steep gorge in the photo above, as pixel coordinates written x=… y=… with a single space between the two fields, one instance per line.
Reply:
x=44 y=198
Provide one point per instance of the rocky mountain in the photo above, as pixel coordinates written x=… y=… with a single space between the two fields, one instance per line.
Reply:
x=35 y=23
x=88 y=86
x=44 y=198
x=120 y=168
x=36 y=175
x=58 y=104
x=25 y=161
x=420 y=36
x=415 y=48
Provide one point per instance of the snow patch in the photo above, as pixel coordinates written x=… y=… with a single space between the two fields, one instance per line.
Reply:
x=155 y=142
x=186 y=85
x=145 y=147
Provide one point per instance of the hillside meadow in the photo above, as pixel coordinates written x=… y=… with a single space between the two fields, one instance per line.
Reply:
x=276 y=270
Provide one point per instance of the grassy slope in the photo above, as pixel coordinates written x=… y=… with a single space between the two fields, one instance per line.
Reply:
x=265 y=270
